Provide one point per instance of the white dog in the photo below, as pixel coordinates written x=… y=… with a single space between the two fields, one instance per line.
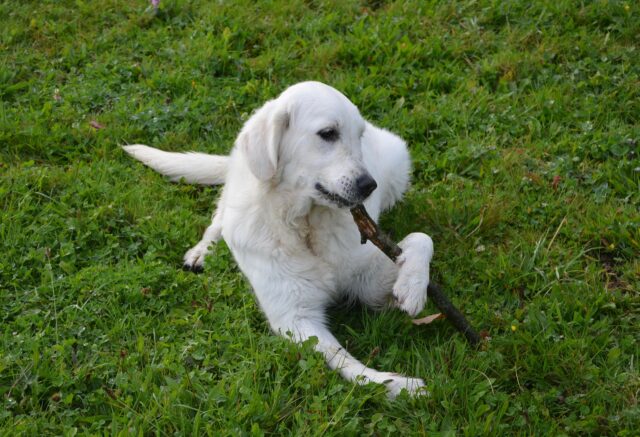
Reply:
x=300 y=162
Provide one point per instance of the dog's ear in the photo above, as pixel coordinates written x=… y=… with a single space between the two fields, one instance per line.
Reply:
x=260 y=139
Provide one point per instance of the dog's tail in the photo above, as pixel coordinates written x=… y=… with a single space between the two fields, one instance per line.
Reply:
x=194 y=168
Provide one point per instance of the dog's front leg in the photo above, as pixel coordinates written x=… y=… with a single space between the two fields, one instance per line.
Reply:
x=410 y=288
x=194 y=258
x=349 y=367
x=293 y=293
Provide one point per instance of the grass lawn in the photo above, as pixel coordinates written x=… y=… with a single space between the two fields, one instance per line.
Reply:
x=523 y=123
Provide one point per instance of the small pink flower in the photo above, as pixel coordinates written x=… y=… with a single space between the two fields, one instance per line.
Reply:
x=155 y=3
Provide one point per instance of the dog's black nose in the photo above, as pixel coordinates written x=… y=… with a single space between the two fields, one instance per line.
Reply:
x=365 y=185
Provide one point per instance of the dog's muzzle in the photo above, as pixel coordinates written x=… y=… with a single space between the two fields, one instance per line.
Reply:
x=334 y=197
x=364 y=186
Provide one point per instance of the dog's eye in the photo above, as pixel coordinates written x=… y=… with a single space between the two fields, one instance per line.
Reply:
x=329 y=134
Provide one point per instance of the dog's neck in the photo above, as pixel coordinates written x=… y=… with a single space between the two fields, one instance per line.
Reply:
x=299 y=214
x=282 y=203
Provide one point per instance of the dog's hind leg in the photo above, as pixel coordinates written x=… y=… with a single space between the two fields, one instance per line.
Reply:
x=194 y=258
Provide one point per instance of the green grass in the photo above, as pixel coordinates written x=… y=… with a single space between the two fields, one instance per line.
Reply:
x=522 y=119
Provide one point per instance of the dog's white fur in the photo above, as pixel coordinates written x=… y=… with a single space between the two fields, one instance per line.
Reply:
x=284 y=213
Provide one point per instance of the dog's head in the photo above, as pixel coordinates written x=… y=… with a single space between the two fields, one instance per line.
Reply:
x=309 y=140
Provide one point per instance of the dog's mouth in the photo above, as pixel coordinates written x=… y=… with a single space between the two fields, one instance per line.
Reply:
x=334 y=197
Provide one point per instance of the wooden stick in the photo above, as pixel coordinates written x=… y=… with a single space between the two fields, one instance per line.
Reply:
x=369 y=230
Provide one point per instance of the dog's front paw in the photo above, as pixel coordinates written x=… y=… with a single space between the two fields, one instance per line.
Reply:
x=410 y=288
x=396 y=383
x=194 y=259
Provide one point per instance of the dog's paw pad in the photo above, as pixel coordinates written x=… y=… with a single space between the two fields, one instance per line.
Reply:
x=195 y=268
